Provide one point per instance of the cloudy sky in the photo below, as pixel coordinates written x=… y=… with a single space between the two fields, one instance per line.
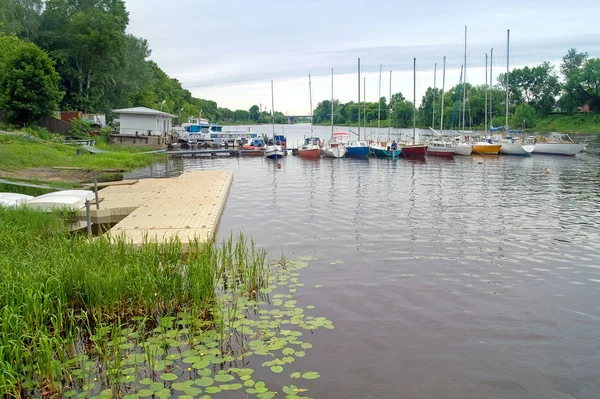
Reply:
x=229 y=50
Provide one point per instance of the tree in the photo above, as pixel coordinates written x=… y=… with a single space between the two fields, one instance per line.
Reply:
x=9 y=22
x=28 y=85
x=254 y=113
x=524 y=116
x=590 y=82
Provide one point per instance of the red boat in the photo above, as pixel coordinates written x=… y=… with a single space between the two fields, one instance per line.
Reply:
x=414 y=150
x=257 y=144
x=311 y=149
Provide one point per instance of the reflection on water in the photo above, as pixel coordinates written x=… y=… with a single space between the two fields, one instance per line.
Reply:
x=466 y=278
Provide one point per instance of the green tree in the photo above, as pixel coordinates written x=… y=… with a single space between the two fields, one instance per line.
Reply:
x=524 y=116
x=28 y=85
x=9 y=22
x=570 y=69
x=590 y=82
x=254 y=113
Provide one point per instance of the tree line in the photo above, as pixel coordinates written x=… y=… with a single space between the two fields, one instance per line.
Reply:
x=534 y=92
x=76 y=55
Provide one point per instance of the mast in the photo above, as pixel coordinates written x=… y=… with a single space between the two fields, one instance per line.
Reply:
x=379 y=102
x=465 y=84
x=486 y=95
x=433 y=106
x=311 y=108
x=491 y=86
x=365 y=104
x=331 y=102
x=390 y=110
x=507 y=65
x=359 y=99
x=273 y=109
x=414 y=98
x=443 y=87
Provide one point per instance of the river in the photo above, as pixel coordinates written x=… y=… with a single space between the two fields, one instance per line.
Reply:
x=477 y=277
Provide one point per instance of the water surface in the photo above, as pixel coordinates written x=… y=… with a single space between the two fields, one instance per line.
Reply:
x=466 y=278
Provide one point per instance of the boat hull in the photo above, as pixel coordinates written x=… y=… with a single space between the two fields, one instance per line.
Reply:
x=357 y=152
x=333 y=152
x=441 y=151
x=313 y=153
x=384 y=153
x=516 y=149
x=274 y=152
x=569 y=149
x=486 y=148
x=414 y=150
x=463 y=149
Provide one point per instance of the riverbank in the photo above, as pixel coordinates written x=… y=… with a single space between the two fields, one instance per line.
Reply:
x=25 y=156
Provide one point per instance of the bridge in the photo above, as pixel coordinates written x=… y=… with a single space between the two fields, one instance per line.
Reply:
x=292 y=118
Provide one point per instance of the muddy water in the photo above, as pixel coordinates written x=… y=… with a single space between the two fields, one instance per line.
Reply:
x=465 y=278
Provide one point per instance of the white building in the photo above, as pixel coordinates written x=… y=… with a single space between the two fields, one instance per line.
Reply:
x=141 y=121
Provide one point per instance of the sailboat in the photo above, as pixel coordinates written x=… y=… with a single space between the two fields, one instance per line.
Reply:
x=336 y=147
x=358 y=148
x=438 y=146
x=273 y=151
x=385 y=149
x=310 y=148
x=512 y=145
x=414 y=150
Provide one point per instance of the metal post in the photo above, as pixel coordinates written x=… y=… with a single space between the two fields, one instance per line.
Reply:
x=96 y=193
x=89 y=218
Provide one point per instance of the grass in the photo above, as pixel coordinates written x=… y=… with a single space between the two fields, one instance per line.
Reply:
x=576 y=123
x=26 y=151
x=63 y=297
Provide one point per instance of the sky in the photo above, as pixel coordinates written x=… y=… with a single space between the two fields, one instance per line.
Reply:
x=230 y=50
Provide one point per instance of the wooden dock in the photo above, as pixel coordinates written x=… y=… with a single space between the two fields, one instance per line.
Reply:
x=214 y=153
x=187 y=207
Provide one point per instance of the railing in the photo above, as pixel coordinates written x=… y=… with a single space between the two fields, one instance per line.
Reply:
x=141 y=132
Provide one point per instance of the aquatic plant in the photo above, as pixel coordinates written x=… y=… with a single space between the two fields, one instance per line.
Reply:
x=103 y=318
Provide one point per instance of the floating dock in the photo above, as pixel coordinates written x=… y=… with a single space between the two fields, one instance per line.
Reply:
x=214 y=153
x=188 y=207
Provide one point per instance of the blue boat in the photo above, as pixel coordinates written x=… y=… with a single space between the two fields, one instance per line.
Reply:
x=357 y=149
x=496 y=129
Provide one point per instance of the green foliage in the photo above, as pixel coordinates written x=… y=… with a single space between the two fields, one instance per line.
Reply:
x=570 y=69
x=28 y=84
x=590 y=82
x=80 y=128
x=524 y=117
x=254 y=113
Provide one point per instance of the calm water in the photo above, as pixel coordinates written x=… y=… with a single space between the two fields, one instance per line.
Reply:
x=477 y=277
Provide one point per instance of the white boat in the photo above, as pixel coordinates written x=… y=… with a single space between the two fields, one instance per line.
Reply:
x=274 y=151
x=57 y=202
x=512 y=145
x=336 y=146
x=464 y=149
x=13 y=199
x=85 y=194
x=559 y=145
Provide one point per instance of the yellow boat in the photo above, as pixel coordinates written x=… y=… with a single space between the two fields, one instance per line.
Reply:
x=486 y=148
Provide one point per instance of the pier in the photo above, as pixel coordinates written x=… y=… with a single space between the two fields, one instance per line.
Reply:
x=187 y=207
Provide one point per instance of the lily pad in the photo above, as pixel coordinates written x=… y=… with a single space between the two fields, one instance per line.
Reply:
x=204 y=382
x=311 y=375
x=231 y=387
x=223 y=377
x=145 y=393
x=277 y=369
x=212 y=390
x=192 y=391
x=296 y=375
x=288 y=351
x=146 y=381
x=168 y=377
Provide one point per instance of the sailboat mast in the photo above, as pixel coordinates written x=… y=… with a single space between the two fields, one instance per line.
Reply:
x=311 y=108
x=414 y=98
x=491 y=86
x=443 y=87
x=379 y=101
x=390 y=110
x=273 y=109
x=486 y=94
x=433 y=106
x=331 y=102
x=359 y=99
x=365 y=104
x=507 y=66
x=465 y=84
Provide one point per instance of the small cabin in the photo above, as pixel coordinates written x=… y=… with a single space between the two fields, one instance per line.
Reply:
x=142 y=121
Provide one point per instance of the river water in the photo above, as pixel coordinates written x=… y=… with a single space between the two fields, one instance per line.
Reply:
x=477 y=277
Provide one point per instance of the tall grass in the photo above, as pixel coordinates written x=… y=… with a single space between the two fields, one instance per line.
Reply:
x=57 y=287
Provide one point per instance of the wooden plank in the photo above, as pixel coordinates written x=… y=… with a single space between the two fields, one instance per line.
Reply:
x=112 y=183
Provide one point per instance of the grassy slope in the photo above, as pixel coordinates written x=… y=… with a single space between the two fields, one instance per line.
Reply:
x=577 y=123
x=20 y=152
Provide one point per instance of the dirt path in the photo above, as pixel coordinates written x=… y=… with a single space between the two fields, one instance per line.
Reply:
x=50 y=175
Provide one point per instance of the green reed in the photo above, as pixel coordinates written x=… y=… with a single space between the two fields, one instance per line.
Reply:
x=62 y=296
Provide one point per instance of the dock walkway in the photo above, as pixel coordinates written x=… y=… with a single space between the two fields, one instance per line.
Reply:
x=185 y=207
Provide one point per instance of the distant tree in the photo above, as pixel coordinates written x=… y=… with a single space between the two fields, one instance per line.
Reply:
x=9 y=22
x=28 y=85
x=402 y=114
x=524 y=116
x=254 y=113
x=590 y=82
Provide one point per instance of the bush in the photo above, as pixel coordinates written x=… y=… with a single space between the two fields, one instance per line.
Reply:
x=81 y=128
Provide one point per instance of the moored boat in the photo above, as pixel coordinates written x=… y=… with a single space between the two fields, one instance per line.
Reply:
x=414 y=150
x=514 y=146
x=559 y=145
x=257 y=144
x=357 y=149
x=440 y=148
x=274 y=152
x=310 y=149
x=486 y=148
x=336 y=147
